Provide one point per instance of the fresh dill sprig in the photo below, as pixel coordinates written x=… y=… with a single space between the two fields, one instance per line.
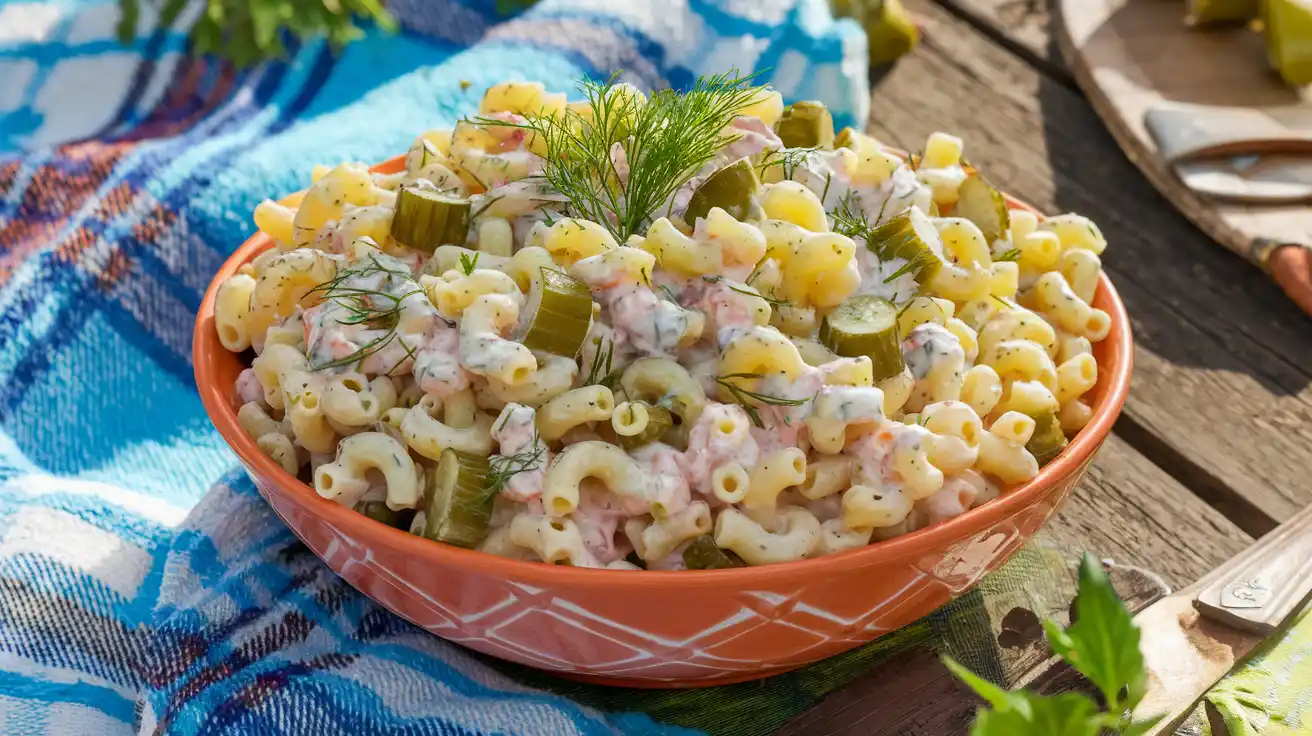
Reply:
x=501 y=468
x=601 y=361
x=772 y=301
x=850 y=221
x=749 y=399
x=906 y=268
x=468 y=264
x=665 y=140
x=490 y=201
x=669 y=294
x=1008 y=255
x=1000 y=300
x=787 y=159
x=371 y=308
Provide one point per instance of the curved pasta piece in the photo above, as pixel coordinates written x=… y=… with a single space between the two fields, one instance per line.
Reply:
x=344 y=480
x=591 y=459
x=796 y=536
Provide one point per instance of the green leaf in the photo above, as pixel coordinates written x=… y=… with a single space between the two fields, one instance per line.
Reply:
x=1103 y=643
x=1068 y=714
x=997 y=697
x=1139 y=728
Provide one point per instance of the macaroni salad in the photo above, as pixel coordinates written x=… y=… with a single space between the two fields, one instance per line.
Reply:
x=689 y=331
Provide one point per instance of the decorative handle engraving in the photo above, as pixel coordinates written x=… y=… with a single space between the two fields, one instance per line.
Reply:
x=1257 y=590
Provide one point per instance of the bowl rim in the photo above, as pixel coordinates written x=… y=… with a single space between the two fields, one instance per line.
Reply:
x=217 y=403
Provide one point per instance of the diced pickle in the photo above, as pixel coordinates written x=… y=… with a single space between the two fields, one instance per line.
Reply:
x=865 y=325
x=1048 y=440
x=1203 y=12
x=889 y=30
x=379 y=511
x=734 y=189
x=703 y=553
x=426 y=218
x=459 y=505
x=984 y=206
x=1289 y=39
x=907 y=235
x=846 y=138
x=558 y=315
x=806 y=124
x=659 y=421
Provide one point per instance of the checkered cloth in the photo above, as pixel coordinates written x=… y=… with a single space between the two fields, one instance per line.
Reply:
x=144 y=586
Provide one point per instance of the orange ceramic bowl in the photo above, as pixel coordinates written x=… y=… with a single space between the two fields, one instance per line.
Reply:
x=661 y=628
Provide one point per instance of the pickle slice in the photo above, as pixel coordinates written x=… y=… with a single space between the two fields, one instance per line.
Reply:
x=890 y=32
x=703 y=553
x=984 y=206
x=734 y=189
x=379 y=511
x=459 y=505
x=806 y=124
x=558 y=314
x=866 y=325
x=1048 y=440
x=659 y=421
x=1289 y=39
x=426 y=218
x=907 y=235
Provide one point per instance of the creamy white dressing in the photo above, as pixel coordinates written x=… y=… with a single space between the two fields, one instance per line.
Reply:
x=516 y=434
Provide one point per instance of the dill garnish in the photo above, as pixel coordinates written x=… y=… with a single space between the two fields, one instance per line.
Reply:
x=749 y=399
x=374 y=309
x=468 y=264
x=1008 y=255
x=665 y=140
x=501 y=468
x=1000 y=300
x=787 y=159
x=669 y=294
x=772 y=301
x=601 y=361
x=850 y=222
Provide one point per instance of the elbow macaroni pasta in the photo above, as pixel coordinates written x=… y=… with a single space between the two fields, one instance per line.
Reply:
x=715 y=395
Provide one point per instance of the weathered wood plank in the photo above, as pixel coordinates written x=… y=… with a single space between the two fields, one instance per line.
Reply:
x=1023 y=25
x=1126 y=509
x=1221 y=392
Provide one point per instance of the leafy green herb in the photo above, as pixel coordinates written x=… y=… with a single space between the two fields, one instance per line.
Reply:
x=669 y=294
x=601 y=361
x=906 y=268
x=772 y=301
x=787 y=159
x=468 y=264
x=1103 y=644
x=371 y=308
x=1000 y=300
x=665 y=140
x=490 y=201
x=1008 y=255
x=750 y=399
x=246 y=32
x=501 y=468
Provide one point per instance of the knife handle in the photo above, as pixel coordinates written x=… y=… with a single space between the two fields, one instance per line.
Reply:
x=1262 y=586
x=1291 y=267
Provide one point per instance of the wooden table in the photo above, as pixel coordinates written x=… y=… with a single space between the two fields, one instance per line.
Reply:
x=1215 y=445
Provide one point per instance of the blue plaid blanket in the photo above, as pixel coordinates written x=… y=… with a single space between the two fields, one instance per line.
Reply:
x=144 y=586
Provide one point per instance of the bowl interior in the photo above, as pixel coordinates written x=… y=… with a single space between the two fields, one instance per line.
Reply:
x=217 y=371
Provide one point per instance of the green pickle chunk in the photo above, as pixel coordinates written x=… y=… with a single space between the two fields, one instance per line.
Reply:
x=890 y=32
x=558 y=315
x=459 y=505
x=734 y=189
x=380 y=512
x=659 y=421
x=806 y=124
x=427 y=218
x=907 y=235
x=865 y=325
x=1289 y=39
x=703 y=553
x=1048 y=440
x=984 y=206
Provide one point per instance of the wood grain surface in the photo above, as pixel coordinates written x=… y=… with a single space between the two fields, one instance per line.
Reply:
x=1215 y=444
x=1221 y=397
